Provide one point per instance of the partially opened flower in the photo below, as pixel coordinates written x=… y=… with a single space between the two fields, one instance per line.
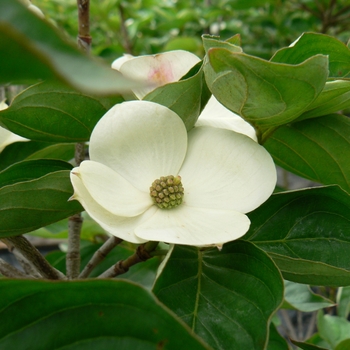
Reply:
x=156 y=70
x=170 y=67
x=147 y=179
x=7 y=137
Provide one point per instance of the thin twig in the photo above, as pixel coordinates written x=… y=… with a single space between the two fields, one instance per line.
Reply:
x=124 y=32
x=142 y=254
x=312 y=324
x=99 y=255
x=290 y=329
x=10 y=271
x=31 y=254
x=27 y=266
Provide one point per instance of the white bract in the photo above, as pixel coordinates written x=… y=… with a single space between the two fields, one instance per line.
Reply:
x=171 y=66
x=224 y=175
x=7 y=137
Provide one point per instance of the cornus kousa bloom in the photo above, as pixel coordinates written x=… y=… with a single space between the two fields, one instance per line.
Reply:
x=171 y=66
x=156 y=70
x=148 y=180
x=7 y=137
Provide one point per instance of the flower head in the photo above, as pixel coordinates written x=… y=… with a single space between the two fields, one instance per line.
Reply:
x=169 y=67
x=7 y=137
x=223 y=175
x=157 y=70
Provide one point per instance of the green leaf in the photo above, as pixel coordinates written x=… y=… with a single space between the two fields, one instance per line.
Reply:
x=343 y=302
x=31 y=169
x=335 y=97
x=227 y=297
x=343 y=345
x=311 y=44
x=306 y=346
x=317 y=149
x=300 y=297
x=19 y=151
x=55 y=113
x=99 y=314
x=28 y=41
x=29 y=205
x=307 y=234
x=232 y=44
x=276 y=341
x=186 y=97
x=333 y=329
x=264 y=93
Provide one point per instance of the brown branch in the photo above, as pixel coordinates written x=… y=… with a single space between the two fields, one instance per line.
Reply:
x=84 y=38
x=10 y=271
x=124 y=32
x=32 y=255
x=75 y=223
x=99 y=255
x=142 y=254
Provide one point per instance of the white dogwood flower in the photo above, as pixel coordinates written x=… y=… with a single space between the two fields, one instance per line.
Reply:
x=148 y=180
x=6 y=136
x=156 y=70
x=171 y=66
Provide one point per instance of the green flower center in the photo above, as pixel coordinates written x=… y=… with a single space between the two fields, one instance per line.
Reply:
x=167 y=192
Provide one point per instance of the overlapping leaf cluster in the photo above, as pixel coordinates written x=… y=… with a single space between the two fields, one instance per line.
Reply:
x=224 y=299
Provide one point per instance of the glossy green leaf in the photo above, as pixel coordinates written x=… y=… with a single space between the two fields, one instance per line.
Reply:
x=31 y=169
x=307 y=234
x=264 y=93
x=301 y=297
x=186 y=97
x=306 y=346
x=335 y=97
x=19 y=151
x=311 y=44
x=276 y=341
x=317 y=149
x=28 y=41
x=333 y=329
x=26 y=206
x=97 y=314
x=227 y=297
x=55 y=113
x=343 y=302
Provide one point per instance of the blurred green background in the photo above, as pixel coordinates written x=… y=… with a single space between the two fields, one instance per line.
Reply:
x=151 y=26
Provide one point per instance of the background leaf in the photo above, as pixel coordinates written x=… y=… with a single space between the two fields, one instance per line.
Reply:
x=317 y=149
x=230 y=295
x=28 y=41
x=343 y=302
x=276 y=341
x=310 y=44
x=85 y=315
x=55 y=113
x=333 y=329
x=26 y=206
x=301 y=297
x=307 y=234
